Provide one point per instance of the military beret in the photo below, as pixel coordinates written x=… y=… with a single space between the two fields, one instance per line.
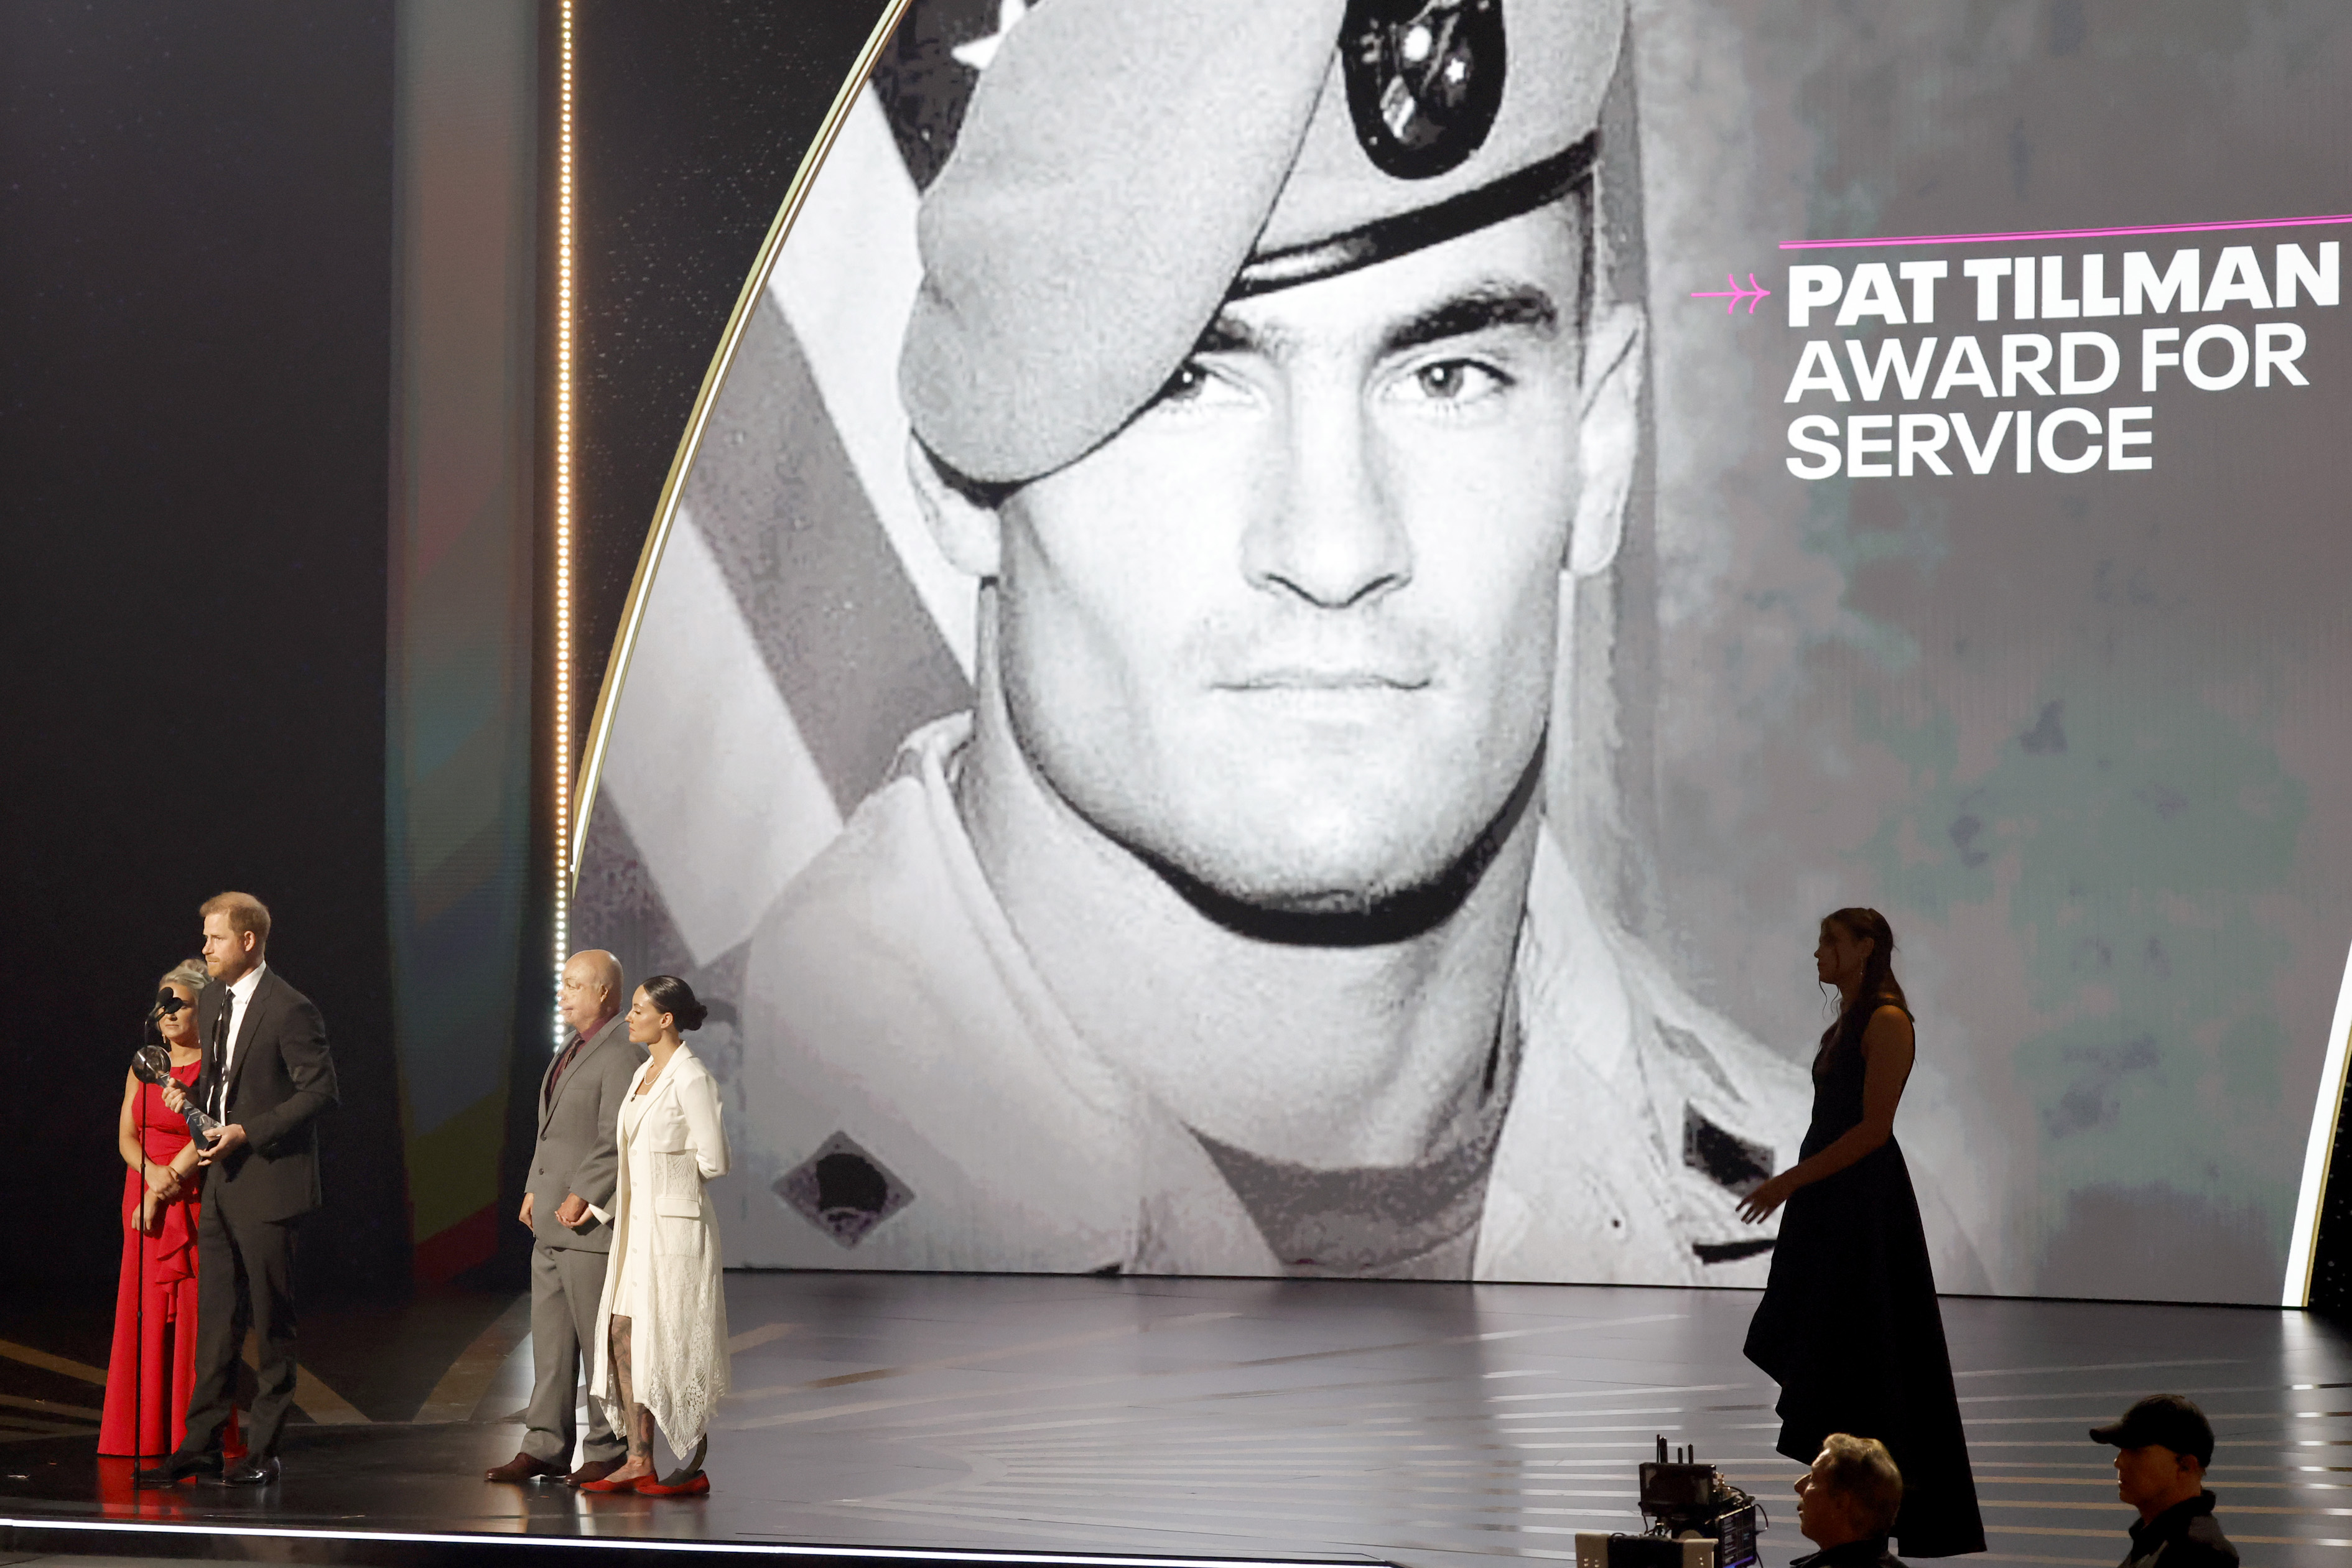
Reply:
x=1128 y=166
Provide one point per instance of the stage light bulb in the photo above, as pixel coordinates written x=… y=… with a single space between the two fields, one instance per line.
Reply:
x=563 y=345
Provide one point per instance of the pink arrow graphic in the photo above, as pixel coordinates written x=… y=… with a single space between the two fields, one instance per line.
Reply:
x=1731 y=296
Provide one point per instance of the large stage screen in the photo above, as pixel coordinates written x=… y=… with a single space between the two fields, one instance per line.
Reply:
x=1271 y=650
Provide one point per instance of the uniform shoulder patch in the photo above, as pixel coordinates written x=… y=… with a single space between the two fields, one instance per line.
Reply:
x=843 y=1190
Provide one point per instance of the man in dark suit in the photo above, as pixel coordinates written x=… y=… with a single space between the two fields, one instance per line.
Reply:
x=574 y=1170
x=267 y=1076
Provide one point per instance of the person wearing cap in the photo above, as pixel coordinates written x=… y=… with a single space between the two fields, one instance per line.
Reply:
x=2162 y=1447
x=1846 y=1504
x=1268 y=374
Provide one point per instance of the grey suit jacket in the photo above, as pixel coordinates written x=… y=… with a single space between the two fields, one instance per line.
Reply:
x=576 y=1149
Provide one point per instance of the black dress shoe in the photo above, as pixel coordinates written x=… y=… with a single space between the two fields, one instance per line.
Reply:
x=257 y=1470
x=179 y=1468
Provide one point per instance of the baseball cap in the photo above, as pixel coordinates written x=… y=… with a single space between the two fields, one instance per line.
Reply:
x=2164 y=1420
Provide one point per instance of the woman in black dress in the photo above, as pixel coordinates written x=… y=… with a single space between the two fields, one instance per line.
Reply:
x=1848 y=1326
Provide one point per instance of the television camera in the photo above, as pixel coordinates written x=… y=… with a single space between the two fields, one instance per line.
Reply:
x=1693 y=1519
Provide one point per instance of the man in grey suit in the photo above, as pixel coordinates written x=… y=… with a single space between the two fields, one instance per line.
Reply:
x=573 y=1170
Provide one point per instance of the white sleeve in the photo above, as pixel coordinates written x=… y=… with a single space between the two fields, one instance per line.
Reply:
x=697 y=1097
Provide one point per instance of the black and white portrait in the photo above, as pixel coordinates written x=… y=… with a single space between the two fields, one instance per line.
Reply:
x=1200 y=712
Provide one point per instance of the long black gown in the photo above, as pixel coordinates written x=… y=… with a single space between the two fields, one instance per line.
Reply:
x=1849 y=1327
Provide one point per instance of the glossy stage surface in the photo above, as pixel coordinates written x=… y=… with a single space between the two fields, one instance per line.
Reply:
x=1417 y=1424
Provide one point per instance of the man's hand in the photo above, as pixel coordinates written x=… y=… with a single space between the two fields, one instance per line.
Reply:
x=226 y=1140
x=573 y=1211
x=176 y=1098
x=525 y=1214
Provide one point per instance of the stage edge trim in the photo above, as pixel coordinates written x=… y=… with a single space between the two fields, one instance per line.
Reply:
x=640 y=1544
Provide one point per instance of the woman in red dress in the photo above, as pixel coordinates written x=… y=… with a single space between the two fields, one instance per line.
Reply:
x=154 y=1357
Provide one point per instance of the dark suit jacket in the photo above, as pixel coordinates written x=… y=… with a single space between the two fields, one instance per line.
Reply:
x=281 y=1077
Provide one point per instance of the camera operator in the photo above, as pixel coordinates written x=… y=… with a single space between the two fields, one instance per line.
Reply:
x=2162 y=1447
x=1847 y=1502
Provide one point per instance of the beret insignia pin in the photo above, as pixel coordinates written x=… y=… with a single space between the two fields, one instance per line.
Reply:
x=1425 y=81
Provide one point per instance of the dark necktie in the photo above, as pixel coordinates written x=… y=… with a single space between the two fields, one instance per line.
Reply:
x=220 y=1058
x=563 y=1061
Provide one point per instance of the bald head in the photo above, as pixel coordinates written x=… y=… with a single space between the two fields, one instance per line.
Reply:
x=590 y=992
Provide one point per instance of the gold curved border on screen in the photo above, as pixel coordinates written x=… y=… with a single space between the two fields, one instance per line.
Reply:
x=624 y=640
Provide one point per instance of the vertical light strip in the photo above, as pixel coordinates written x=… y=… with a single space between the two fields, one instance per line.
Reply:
x=2319 y=1151
x=562 y=907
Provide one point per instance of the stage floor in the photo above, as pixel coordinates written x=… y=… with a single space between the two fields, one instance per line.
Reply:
x=1417 y=1424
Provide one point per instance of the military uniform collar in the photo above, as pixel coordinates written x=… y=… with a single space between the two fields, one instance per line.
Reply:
x=1592 y=1162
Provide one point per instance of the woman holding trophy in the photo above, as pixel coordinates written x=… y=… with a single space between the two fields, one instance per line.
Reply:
x=152 y=1372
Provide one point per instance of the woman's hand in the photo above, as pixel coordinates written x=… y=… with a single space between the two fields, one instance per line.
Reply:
x=1759 y=1205
x=176 y=1098
x=162 y=1182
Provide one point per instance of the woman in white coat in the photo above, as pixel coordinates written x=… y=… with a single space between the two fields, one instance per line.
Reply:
x=661 y=1327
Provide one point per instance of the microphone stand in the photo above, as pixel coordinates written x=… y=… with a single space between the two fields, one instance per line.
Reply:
x=138 y=1281
x=153 y=1056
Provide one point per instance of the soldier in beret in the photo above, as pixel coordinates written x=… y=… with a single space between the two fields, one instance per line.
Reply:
x=1265 y=376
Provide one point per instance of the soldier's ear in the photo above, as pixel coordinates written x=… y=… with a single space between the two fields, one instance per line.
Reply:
x=967 y=530
x=1609 y=444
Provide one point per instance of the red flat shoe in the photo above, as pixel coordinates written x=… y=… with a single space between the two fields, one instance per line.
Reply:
x=696 y=1485
x=610 y=1485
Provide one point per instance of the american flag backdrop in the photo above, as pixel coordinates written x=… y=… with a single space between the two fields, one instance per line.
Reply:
x=802 y=621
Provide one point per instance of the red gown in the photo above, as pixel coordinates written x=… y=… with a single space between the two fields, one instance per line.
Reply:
x=154 y=1357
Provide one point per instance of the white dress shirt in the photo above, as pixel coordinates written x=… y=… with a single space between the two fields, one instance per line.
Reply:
x=240 y=995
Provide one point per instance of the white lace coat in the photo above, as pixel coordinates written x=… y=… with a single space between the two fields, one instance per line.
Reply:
x=666 y=1238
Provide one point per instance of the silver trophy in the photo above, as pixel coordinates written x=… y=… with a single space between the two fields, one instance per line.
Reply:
x=153 y=1064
